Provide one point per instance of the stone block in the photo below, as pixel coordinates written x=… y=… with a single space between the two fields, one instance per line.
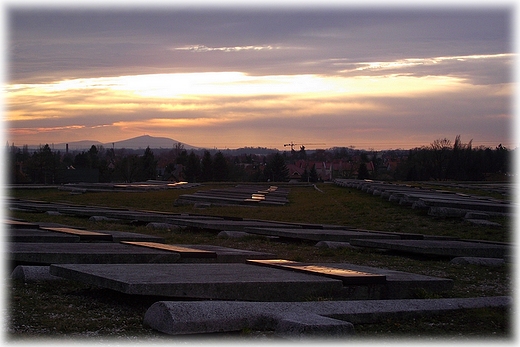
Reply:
x=103 y=219
x=162 y=226
x=33 y=274
x=298 y=319
x=491 y=262
x=334 y=244
x=230 y=281
x=230 y=234
x=445 y=248
x=483 y=222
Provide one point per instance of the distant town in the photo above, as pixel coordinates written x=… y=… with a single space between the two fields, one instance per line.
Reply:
x=165 y=159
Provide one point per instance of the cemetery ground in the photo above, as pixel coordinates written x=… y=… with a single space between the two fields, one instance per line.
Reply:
x=71 y=310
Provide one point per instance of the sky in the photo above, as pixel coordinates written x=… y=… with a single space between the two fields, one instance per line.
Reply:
x=338 y=75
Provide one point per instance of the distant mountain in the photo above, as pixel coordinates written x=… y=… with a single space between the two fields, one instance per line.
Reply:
x=140 y=142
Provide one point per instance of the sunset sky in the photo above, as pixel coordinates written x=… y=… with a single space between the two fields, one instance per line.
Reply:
x=230 y=77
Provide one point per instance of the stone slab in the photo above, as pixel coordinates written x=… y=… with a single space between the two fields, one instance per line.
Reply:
x=241 y=195
x=491 y=262
x=253 y=282
x=400 y=284
x=112 y=253
x=469 y=205
x=119 y=236
x=230 y=225
x=318 y=234
x=185 y=252
x=445 y=248
x=84 y=235
x=199 y=317
x=38 y=235
x=33 y=274
x=202 y=281
x=228 y=255
x=85 y=253
x=193 y=198
x=334 y=244
x=17 y=224
x=347 y=276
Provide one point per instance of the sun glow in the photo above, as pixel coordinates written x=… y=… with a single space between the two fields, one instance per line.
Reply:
x=206 y=91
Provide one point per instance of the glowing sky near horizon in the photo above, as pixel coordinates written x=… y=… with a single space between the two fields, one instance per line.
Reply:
x=234 y=78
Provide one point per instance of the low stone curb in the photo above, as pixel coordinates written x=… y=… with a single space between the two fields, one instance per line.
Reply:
x=33 y=274
x=297 y=319
x=492 y=262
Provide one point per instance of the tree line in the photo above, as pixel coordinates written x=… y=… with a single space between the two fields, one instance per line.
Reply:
x=441 y=160
x=98 y=164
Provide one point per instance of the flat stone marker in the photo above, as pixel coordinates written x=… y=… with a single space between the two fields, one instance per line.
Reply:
x=240 y=195
x=228 y=255
x=118 y=236
x=399 y=284
x=85 y=253
x=229 y=281
x=38 y=235
x=231 y=225
x=83 y=234
x=16 y=224
x=234 y=281
x=469 y=205
x=206 y=253
x=125 y=252
x=318 y=234
x=349 y=277
x=184 y=252
x=445 y=248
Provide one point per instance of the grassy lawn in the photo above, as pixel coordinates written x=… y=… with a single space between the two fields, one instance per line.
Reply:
x=41 y=310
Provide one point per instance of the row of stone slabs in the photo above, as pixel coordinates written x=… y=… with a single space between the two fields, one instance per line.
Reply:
x=205 y=271
x=438 y=202
x=403 y=242
x=127 y=187
x=239 y=195
x=262 y=293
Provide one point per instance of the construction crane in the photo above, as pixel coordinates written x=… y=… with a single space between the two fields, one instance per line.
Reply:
x=305 y=144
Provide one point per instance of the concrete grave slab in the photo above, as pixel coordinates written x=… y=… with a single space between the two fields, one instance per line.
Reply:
x=470 y=205
x=185 y=252
x=318 y=234
x=229 y=255
x=399 y=284
x=85 y=253
x=238 y=195
x=119 y=236
x=233 y=281
x=334 y=244
x=84 y=235
x=447 y=248
x=199 y=317
x=491 y=262
x=52 y=232
x=17 y=224
x=230 y=281
x=39 y=235
x=125 y=252
x=230 y=225
x=349 y=277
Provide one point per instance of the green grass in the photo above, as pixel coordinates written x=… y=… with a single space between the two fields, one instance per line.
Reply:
x=41 y=310
x=336 y=205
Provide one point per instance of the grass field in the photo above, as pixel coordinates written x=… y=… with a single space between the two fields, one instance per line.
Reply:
x=75 y=311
